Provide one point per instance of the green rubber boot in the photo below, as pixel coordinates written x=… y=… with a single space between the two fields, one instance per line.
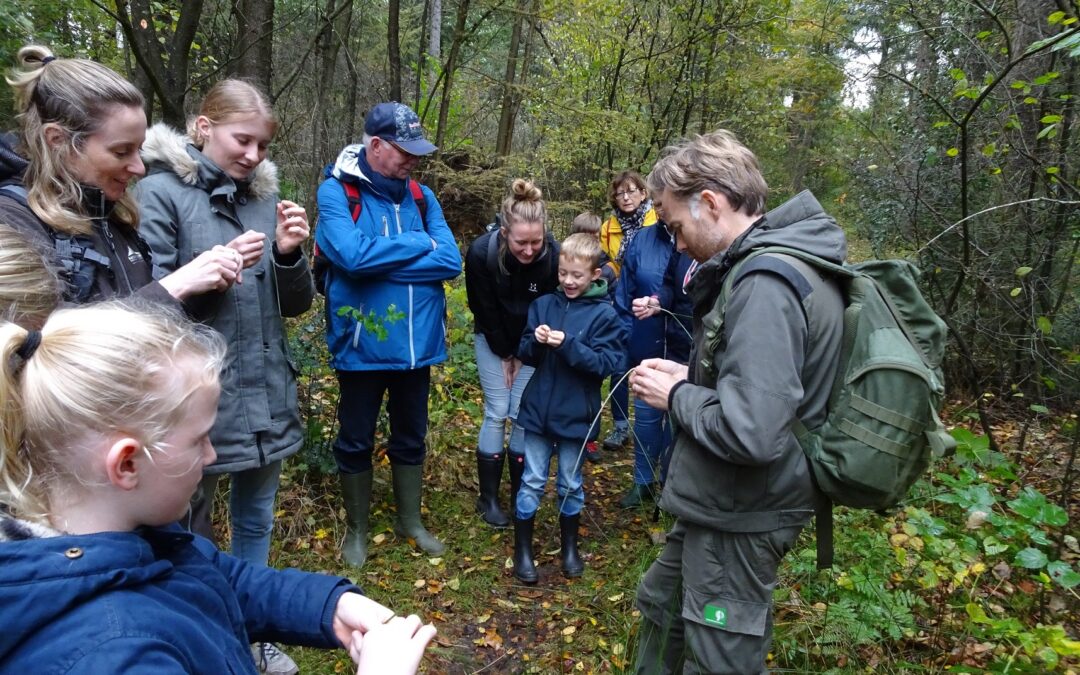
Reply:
x=408 y=485
x=356 y=493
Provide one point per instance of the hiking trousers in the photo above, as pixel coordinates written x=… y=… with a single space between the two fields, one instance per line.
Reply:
x=706 y=602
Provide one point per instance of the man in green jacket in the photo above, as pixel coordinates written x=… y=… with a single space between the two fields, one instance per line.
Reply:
x=738 y=483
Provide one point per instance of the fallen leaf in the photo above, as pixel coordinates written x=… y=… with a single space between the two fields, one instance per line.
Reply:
x=483 y=618
x=615 y=598
x=419 y=583
x=431 y=561
x=379 y=538
x=454 y=584
x=569 y=630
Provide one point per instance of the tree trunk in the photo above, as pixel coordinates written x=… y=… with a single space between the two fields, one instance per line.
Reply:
x=448 y=73
x=506 y=121
x=393 y=48
x=434 y=50
x=255 y=26
x=164 y=60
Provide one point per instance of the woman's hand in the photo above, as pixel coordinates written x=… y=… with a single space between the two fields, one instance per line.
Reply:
x=214 y=270
x=394 y=648
x=292 y=226
x=511 y=367
x=250 y=245
x=643 y=308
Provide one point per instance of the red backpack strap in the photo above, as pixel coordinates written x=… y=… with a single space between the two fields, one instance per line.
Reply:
x=418 y=197
x=352 y=193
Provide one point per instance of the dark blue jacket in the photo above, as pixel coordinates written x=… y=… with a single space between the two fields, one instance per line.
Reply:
x=148 y=601
x=563 y=396
x=653 y=266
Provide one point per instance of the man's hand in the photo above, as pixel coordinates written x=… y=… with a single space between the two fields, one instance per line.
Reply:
x=357 y=613
x=653 y=379
x=292 y=226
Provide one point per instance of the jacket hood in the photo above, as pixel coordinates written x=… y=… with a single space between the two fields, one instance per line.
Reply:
x=347 y=165
x=798 y=223
x=597 y=290
x=44 y=573
x=12 y=164
x=166 y=149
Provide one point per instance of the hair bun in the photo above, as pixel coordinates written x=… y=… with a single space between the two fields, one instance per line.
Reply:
x=525 y=191
x=34 y=56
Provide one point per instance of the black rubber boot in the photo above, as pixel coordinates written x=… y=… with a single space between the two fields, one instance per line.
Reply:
x=489 y=474
x=524 y=567
x=638 y=496
x=517 y=467
x=356 y=493
x=572 y=565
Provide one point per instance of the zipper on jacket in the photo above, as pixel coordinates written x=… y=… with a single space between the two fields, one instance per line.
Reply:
x=108 y=237
x=412 y=344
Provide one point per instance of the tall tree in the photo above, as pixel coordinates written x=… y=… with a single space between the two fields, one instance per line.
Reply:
x=393 y=47
x=255 y=46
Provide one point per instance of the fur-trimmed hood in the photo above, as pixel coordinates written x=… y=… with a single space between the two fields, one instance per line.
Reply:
x=13 y=529
x=166 y=149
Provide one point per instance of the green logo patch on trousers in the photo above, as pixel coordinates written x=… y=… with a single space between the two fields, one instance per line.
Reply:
x=715 y=616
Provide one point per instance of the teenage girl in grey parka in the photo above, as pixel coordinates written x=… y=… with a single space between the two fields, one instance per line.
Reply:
x=213 y=187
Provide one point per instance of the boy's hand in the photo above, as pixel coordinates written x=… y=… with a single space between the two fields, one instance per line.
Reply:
x=555 y=338
x=393 y=648
x=543 y=331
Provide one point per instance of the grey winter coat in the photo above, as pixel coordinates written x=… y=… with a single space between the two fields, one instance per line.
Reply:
x=188 y=206
x=736 y=465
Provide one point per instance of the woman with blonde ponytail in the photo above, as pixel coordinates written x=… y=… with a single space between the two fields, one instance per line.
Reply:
x=505 y=270
x=104 y=431
x=64 y=186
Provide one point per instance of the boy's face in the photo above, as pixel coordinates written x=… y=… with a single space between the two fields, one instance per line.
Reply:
x=576 y=275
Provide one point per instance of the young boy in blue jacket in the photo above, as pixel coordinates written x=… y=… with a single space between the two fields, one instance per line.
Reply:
x=574 y=339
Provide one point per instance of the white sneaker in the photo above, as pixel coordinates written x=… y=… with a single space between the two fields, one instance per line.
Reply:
x=271 y=660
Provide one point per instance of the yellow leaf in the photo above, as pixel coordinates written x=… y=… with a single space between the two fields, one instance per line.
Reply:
x=435 y=561
x=419 y=583
x=454 y=584
x=617 y=648
x=592 y=620
x=379 y=538
x=569 y=630
x=615 y=598
x=483 y=618
x=321 y=533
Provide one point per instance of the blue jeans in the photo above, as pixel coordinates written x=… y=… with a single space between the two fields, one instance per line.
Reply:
x=500 y=403
x=651 y=437
x=538 y=452
x=251 y=509
x=620 y=401
x=362 y=393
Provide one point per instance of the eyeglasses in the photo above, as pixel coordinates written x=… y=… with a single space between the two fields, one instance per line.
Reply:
x=627 y=193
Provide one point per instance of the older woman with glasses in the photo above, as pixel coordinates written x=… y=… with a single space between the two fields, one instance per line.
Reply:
x=633 y=211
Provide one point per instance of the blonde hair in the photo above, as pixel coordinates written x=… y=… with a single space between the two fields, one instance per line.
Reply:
x=715 y=161
x=77 y=95
x=524 y=204
x=113 y=367
x=227 y=100
x=581 y=247
x=628 y=176
x=29 y=288
x=588 y=223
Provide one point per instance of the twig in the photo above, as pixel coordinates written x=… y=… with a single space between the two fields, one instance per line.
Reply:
x=994 y=208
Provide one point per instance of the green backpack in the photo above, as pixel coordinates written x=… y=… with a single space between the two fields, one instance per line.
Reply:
x=882 y=423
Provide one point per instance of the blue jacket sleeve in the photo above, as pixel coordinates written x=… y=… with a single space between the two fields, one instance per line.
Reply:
x=351 y=249
x=437 y=265
x=531 y=352
x=287 y=606
x=602 y=352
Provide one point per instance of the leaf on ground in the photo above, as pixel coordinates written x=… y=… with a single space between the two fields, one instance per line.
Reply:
x=419 y=583
x=491 y=639
x=379 y=538
x=615 y=598
x=454 y=584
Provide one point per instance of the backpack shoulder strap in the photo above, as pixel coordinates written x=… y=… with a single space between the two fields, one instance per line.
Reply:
x=421 y=202
x=16 y=192
x=493 y=253
x=352 y=194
